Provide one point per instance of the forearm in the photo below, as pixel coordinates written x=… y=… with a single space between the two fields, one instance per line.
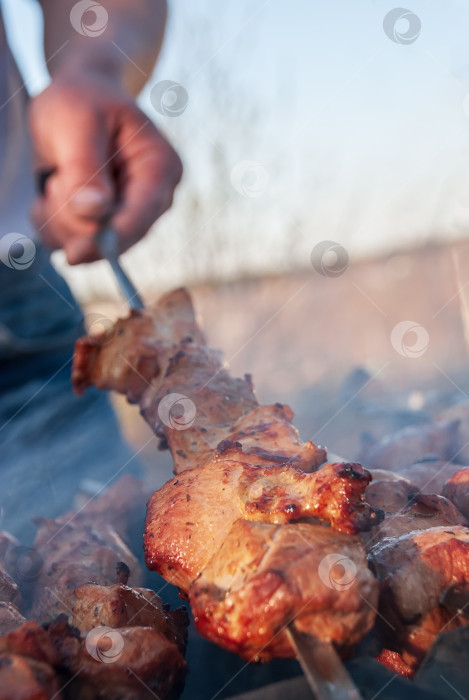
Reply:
x=126 y=50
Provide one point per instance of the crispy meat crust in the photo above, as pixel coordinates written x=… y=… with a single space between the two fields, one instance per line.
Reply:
x=182 y=533
x=144 y=663
x=27 y=659
x=265 y=576
x=137 y=349
x=416 y=570
x=457 y=490
x=120 y=606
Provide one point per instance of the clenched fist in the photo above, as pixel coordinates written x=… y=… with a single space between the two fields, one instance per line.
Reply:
x=107 y=162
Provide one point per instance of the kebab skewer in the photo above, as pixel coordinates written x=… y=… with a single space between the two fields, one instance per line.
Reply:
x=253 y=529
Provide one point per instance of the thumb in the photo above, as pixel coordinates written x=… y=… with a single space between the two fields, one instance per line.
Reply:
x=92 y=201
x=82 y=186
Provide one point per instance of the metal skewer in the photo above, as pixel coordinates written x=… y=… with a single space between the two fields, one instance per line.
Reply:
x=322 y=667
x=324 y=671
x=107 y=244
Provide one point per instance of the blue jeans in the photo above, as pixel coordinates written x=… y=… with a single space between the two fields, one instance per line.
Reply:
x=50 y=439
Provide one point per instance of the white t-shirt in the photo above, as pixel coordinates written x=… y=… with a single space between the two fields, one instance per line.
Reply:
x=16 y=179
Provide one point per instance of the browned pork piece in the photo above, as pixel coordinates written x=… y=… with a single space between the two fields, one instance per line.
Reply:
x=10 y=597
x=418 y=573
x=136 y=349
x=459 y=412
x=138 y=646
x=457 y=490
x=410 y=445
x=9 y=591
x=224 y=530
x=82 y=547
x=405 y=509
x=27 y=660
x=121 y=606
x=128 y=663
x=430 y=475
x=264 y=576
x=182 y=533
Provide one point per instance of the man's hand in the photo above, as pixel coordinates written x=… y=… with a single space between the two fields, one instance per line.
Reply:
x=108 y=160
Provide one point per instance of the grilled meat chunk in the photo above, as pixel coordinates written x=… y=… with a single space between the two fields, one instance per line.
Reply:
x=416 y=571
x=136 y=349
x=457 y=490
x=10 y=617
x=27 y=659
x=183 y=532
x=265 y=576
x=9 y=591
x=73 y=554
x=129 y=663
x=413 y=444
x=120 y=606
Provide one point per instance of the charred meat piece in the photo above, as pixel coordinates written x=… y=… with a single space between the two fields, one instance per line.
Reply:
x=389 y=491
x=83 y=546
x=410 y=445
x=430 y=475
x=22 y=678
x=196 y=404
x=416 y=571
x=420 y=513
x=129 y=663
x=27 y=659
x=394 y=661
x=459 y=412
x=183 y=532
x=121 y=606
x=118 y=506
x=186 y=394
x=73 y=554
x=136 y=349
x=10 y=617
x=405 y=510
x=457 y=490
x=9 y=591
x=264 y=576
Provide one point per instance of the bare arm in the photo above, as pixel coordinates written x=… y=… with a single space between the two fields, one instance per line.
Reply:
x=127 y=47
x=108 y=161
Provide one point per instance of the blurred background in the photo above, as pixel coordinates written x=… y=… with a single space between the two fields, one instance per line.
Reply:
x=302 y=123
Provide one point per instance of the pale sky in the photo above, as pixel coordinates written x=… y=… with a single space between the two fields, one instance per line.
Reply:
x=363 y=140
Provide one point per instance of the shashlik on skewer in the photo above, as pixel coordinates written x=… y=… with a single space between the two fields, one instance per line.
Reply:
x=232 y=542
x=225 y=530
x=92 y=617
